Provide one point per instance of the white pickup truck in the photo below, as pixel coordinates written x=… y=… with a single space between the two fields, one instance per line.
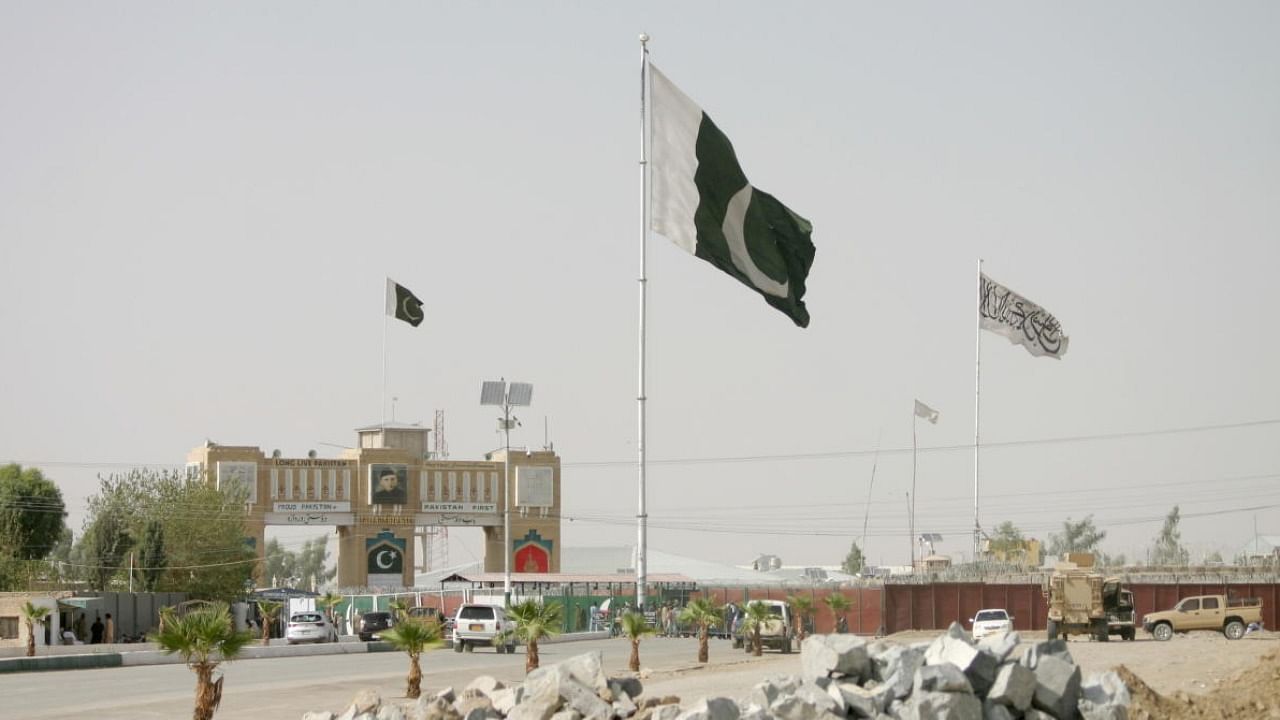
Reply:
x=774 y=632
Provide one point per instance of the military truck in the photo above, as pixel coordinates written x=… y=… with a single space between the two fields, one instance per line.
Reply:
x=1205 y=612
x=1082 y=601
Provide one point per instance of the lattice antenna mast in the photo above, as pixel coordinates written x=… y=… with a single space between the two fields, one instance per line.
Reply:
x=441 y=446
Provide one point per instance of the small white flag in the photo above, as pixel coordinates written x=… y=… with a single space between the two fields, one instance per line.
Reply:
x=926 y=412
x=1005 y=312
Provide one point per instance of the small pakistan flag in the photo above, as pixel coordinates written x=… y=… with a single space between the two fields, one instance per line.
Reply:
x=402 y=304
x=703 y=203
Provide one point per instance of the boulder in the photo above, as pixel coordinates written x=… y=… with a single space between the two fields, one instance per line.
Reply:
x=629 y=685
x=1051 y=648
x=534 y=710
x=712 y=708
x=1104 y=697
x=1057 y=687
x=808 y=702
x=827 y=655
x=944 y=706
x=588 y=669
x=472 y=699
x=506 y=698
x=318 y=715
x=941 y=678
x=861 y=702
x=977 y=665
x=766 y=692
x=1000 y=645
x=389 y=711
x=486 y=684
x=1014 y=686
x=567 y=715
x=434 y=708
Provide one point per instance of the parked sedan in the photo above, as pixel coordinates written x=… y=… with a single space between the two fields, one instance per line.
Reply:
x=991 y=622
x=309 y=627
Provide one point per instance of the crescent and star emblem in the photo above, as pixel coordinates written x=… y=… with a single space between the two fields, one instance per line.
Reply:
x=406 y=307
x=735 y=217
x=379 y=559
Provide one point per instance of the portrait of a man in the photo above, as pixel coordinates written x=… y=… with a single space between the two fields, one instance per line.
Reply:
x=388 y=485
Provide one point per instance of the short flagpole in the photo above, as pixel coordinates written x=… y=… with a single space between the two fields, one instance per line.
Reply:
x=977 y=416
x=641 y=515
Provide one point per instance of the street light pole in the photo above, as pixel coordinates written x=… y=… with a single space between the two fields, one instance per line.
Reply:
x=501 y=394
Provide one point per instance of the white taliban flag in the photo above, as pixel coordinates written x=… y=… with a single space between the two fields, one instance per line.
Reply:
x=1005 y=312
x=703 y=203
x=926 y=412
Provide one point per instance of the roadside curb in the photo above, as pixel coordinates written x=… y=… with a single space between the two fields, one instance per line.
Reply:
x=85 y=661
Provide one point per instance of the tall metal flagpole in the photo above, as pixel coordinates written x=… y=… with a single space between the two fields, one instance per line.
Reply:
x=914 y=423
x=977 y=415
x=384 y=367
x=641 y=516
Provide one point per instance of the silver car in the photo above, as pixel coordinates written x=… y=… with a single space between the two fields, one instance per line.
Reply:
x=309 y=626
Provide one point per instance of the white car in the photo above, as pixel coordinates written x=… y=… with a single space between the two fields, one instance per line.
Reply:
x=483 y=626
x=309 y=627
x=991 y=622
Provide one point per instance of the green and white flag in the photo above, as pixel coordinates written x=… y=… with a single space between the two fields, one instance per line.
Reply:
x=703 y=203
x=403 y=304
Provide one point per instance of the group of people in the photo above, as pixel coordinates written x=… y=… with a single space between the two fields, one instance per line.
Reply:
x=99 y=632
x=664 y=617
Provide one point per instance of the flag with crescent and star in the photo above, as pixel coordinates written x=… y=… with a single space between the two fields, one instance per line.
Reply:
x=703 y=203
x=402 y=304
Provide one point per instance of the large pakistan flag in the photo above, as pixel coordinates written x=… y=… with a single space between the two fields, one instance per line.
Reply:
x=703 y=202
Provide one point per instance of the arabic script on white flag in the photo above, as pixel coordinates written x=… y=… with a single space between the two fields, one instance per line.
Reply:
x=1023 y=322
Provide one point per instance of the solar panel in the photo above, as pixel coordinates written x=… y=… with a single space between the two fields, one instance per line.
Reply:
x=493 y=392
x=520 y=394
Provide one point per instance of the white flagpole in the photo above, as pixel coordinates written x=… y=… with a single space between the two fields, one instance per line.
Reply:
x=977 y=415
x=914 y=424
x=641 y=515
x=384 y=362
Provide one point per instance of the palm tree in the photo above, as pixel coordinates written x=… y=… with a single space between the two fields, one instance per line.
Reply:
x=802 y=608
x=399 y=608
x=203 y=637
x=413 y=635
x=32 y=614
x=839 y=605
x=756 y=614
x=535 y=621
x=328 y=601
x=270 y=611
x=635 y=628
x=702 y=613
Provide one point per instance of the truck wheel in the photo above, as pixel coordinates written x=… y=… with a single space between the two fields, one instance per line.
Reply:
x=1234 y=630
x=467 y=647
x=457 y=646
x=1100 y=632
x=1162 y=632
x=1129 y=634
x=785 y=647
x=1051 y=629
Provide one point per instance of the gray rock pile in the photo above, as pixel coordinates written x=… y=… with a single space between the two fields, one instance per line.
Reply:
x=842 y=676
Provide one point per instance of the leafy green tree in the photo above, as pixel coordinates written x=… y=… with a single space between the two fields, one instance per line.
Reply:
x=109 y=542
x=1168 y=549
x=413 y=636
x=153 y=558
x=839 y=605
x=32 y=513
x=286 y=568
x=854 y=562
x=535 y=621
x=702 y=613
x=399 y=608
x=635 y=628
x=203 y=529
x=203 y=638
x=802 y=609
x=31 y=615
x=1007 y=539
x=1079 y=537
x=1213 y=557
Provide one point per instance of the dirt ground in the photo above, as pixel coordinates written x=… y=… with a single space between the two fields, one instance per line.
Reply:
x=1197 y=676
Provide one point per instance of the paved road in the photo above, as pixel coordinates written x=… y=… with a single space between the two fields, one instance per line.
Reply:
x=288 y=687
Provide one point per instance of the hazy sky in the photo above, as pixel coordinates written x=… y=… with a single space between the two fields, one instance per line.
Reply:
x=199 y=203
